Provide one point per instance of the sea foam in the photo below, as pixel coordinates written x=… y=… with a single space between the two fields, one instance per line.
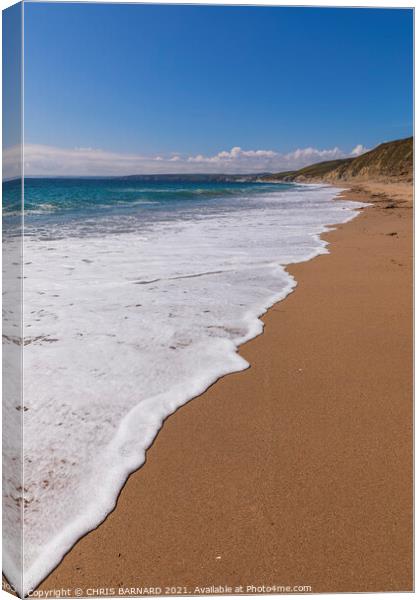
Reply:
x=121 y=330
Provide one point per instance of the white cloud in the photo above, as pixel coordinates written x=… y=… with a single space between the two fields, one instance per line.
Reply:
x=358 y=150
x=48 y=160
x=236 y=155
x=314 y=154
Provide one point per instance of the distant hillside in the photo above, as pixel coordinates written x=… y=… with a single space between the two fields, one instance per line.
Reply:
x=388 y=161
x=195 y=177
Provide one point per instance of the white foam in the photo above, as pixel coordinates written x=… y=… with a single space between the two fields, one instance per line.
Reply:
x=123 y=329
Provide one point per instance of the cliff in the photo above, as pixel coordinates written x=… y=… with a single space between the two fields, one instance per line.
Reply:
x=391 y=161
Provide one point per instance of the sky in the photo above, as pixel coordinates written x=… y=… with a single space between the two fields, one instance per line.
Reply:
x=124 y=89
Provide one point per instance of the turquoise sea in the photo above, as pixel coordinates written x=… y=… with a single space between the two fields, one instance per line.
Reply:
x=80 y=206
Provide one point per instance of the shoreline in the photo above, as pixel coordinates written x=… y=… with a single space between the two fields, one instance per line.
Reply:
x=95 y=559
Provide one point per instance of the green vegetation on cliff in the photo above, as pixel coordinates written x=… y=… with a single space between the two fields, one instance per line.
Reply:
x=388 y=161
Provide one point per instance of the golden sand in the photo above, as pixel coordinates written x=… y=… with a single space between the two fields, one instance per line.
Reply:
x=297 y=471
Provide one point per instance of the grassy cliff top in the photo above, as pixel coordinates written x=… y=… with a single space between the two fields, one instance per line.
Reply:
x=391 y=160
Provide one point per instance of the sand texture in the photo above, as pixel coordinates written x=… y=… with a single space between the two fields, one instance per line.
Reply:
x=297 y=471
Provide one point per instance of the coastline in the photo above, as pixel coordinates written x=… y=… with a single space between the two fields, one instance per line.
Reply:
x=307 y=482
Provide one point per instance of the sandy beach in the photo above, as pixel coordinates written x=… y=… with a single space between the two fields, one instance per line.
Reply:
x=296 y=472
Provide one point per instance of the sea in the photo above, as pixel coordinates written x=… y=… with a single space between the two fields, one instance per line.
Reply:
x=137 y=297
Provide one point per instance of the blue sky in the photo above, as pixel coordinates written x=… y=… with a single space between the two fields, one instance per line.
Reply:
x=185 y=82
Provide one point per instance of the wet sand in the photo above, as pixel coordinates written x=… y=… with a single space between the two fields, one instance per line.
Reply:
x=298 y=471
